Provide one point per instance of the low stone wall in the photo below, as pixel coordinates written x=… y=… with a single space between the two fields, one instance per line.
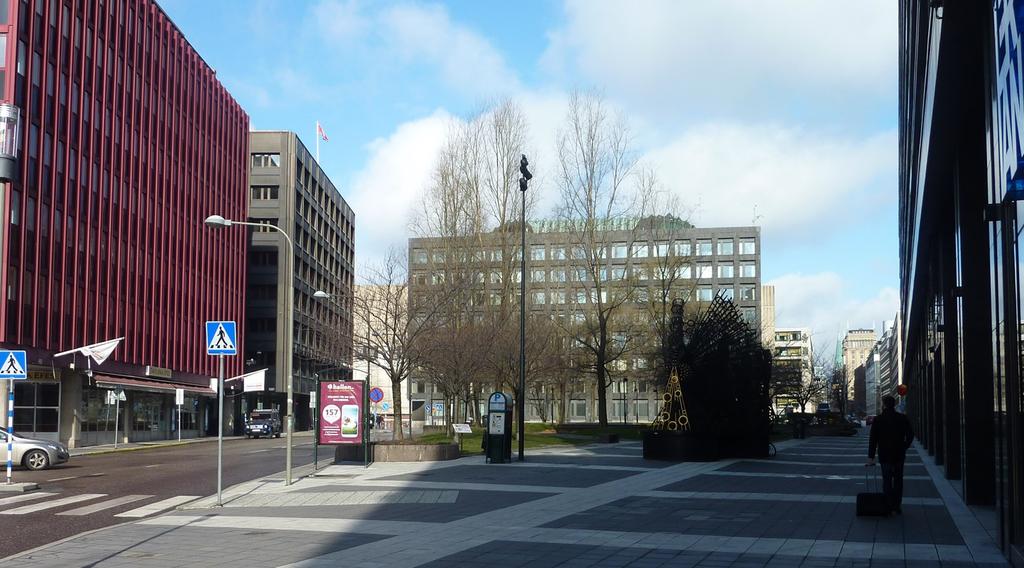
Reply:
x=398 y=453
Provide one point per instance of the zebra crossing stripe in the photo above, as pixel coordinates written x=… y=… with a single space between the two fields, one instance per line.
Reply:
x=24 y=497
x=35 y=507
x=104 y=505
x=151 y=508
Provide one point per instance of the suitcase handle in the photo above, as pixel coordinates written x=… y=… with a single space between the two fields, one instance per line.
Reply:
x=867 y=479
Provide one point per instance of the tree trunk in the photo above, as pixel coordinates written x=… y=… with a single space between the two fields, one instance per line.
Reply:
x=397 y=432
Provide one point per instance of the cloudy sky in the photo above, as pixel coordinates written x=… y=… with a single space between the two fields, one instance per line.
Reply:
x=782 y=112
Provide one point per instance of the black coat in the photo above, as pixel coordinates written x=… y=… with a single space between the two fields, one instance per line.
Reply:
x=891 y=435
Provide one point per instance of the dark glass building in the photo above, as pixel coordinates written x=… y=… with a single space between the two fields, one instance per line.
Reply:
x=128 y=142
x=961 y=96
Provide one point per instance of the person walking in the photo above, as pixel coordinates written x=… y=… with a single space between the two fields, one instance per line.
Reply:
x=891 y=436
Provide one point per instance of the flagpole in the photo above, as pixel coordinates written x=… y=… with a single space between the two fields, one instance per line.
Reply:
x=317 y=133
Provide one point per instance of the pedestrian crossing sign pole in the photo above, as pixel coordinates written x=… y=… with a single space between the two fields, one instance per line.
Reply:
x=221 y=340
x=12 y=368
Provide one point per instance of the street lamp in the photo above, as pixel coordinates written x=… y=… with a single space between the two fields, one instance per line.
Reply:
x=624 y=409
x=521 y=411
x=285 y=314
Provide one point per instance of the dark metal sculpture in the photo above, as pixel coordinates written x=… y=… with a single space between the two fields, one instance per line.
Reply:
x=716 y=361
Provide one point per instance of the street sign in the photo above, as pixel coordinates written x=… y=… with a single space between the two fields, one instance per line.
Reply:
x=121 y=396
x=438 y=409
x=312 y=399
x=221 y=338
x=386 y=407
x=111 y=397
x=462 y=429
x=179 y=396
x=376 y=395
x=13 y=366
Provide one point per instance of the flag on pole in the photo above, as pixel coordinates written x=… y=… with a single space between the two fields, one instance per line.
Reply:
x=320 y=132
x=100 y=351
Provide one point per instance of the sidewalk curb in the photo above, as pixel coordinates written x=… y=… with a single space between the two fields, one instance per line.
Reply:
x=156 y=446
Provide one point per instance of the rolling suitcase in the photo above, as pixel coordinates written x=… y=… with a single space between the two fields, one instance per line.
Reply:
x=872 y=503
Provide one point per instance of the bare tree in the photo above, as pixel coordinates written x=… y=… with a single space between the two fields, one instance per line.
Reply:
x=471 y=214
x=802 y=381
x=392 y=326
x=595 y=175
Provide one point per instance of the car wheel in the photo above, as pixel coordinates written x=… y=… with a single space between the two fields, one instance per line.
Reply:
x=278 y=435
x=37 y=459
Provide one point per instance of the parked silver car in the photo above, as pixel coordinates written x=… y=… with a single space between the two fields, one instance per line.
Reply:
x=32 y=453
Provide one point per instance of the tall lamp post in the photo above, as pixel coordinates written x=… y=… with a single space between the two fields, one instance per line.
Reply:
x=521 y=411
x=286 y=314
x=625 y=410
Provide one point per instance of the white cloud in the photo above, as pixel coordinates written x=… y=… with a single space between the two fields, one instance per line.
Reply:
x=800 y=181
x=824 y=303
x=465 y=59
x=417 y=34
x=385 y=191
x=730 y=53
x=340 y=21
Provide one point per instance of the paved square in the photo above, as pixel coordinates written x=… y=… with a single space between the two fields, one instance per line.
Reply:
x=600 y=505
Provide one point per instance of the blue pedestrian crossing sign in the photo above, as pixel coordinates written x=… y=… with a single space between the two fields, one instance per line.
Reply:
x=221 y=338
x=12 y=365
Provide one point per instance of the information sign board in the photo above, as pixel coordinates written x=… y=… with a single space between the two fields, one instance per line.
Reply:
x=462 y=429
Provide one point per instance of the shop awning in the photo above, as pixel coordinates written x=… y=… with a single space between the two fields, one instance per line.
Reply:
x=106 y=381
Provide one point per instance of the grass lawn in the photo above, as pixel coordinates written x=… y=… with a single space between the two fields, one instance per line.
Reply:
x=539 y=435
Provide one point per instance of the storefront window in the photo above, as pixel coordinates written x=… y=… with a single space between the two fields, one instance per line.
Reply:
x=36 y=407
x=149 y=421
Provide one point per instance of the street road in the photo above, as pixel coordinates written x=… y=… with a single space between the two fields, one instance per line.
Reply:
x=89 y=492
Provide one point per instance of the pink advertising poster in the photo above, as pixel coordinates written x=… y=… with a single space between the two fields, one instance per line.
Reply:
x=340 y=412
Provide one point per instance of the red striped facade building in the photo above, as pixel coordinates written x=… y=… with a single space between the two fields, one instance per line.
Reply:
x=128 y=143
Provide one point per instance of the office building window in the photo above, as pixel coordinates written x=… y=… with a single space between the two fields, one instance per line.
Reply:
x=578 y=409
x=726 y=271
x=558 y=297
x=557 y=253
x=263 y=192
x=661 y=249
x=704 y=294
x=640 y=251
x=537 y=252
x=539 y=298
x=684 y=272
x=684 y=248
x=558 y=275
x=619 y=251
x=749 y=315
x=704 y=271
x=748 y=270
x=266 y=160
x=747 y=246
x=419 y=257
x=725 y=246
x=618 y=273
x=496 y=255
x=438 y=256
x=727 y=293
x=538 y=275
x=748 y=293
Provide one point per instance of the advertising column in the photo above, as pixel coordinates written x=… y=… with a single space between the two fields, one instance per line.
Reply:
x=341 y=413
